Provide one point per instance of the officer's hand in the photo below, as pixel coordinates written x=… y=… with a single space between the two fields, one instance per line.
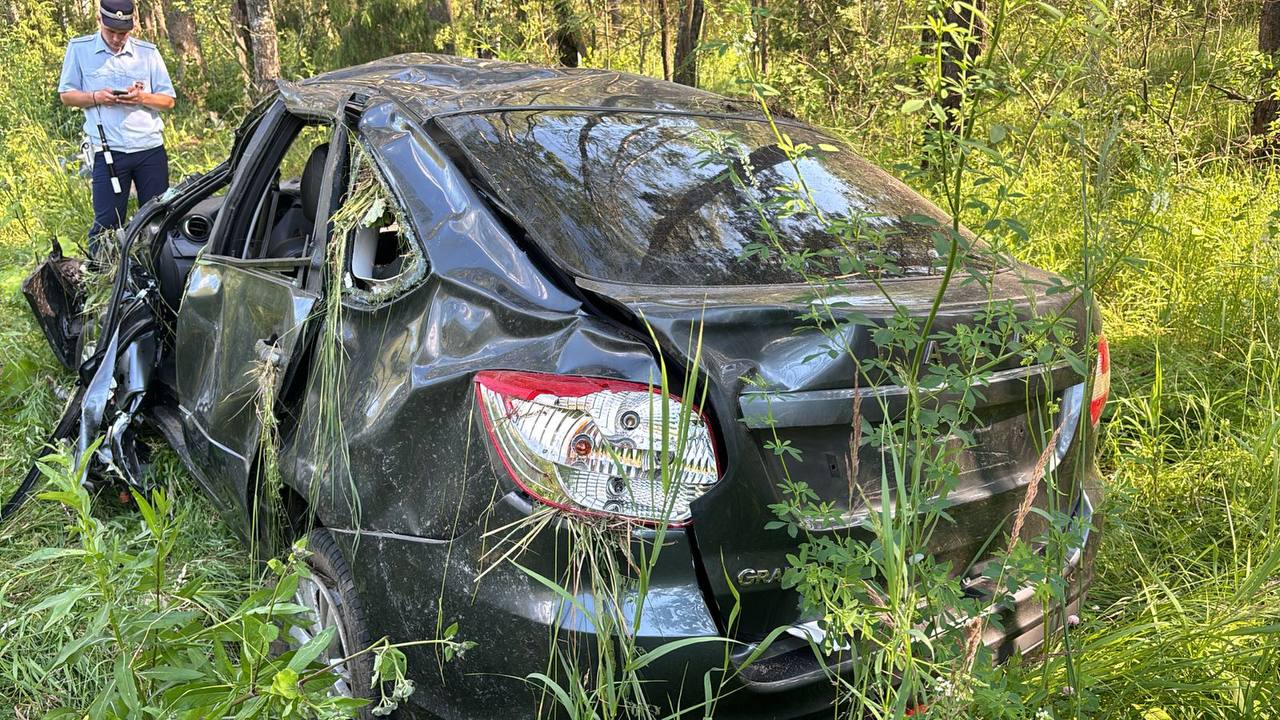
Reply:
x=104 y=97
x=132 y=97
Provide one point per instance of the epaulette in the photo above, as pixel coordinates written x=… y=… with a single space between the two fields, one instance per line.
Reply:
x=82 y=38
x=144 y=43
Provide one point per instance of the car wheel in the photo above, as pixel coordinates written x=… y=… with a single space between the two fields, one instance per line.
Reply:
x=331 y=597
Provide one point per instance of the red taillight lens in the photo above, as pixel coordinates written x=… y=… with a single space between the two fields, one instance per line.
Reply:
x=596 y=446
x=1101 y=381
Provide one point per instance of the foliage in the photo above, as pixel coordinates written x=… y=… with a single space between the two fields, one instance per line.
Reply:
x=43 y=196
x=169 y=648
x=1100 y=143
x=171 y=658
x=878 y=592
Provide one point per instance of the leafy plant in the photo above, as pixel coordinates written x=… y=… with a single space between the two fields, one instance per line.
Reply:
x=171 y=654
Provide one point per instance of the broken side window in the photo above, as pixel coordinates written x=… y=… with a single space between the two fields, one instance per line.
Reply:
x=383 y=258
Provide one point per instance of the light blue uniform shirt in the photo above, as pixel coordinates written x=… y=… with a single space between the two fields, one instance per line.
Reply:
x=90 y=65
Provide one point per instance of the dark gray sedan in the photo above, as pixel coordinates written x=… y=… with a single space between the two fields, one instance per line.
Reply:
x=548 y=241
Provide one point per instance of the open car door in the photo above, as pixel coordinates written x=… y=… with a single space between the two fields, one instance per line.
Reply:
x=244 y=317
x=238 y=324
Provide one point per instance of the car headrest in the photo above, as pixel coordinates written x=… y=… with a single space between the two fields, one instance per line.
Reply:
x=312 y=178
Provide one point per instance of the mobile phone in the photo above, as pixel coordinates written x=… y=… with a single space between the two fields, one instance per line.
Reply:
x=119 y=92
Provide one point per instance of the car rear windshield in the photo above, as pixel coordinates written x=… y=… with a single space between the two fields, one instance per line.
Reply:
x=668 y=199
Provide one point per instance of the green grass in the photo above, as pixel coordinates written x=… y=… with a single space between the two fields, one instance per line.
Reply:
x=1187 y=584
x=1181 y=617
x=41 y=198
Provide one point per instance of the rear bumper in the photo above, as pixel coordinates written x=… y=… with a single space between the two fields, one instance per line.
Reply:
x=412 y=588
x=791 y=668
x=1028 y=623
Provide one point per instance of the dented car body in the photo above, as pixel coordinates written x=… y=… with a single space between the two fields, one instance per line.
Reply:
x=565 y=243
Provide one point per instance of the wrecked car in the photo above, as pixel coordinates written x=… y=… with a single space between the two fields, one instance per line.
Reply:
x=470 y=291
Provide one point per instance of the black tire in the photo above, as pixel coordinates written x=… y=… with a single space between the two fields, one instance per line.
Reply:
x=331 y=572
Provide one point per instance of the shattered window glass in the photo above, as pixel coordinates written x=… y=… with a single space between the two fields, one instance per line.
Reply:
x=679 y=200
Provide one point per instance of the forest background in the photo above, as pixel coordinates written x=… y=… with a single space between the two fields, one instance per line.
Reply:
x=1148 y=125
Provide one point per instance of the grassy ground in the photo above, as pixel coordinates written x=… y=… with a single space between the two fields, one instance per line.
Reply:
x=1191 y=451
x=1189 y=569
x=43 y=199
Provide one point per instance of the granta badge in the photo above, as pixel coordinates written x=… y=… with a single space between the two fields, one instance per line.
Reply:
x=752 y=576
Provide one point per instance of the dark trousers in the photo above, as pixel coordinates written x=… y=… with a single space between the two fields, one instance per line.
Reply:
x=146 y=170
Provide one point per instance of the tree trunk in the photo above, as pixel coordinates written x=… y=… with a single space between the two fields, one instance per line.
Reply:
x=69 y=12
x=153 y=22
x=262 y=37
x=181 y=25
x=242 y=43
x=760 y=16
x=959 y=51
x=664 y=39
x=613 y=31
x=450 y=17
x=482 y=17
x=1264 y=111
x=688 y=34
x=645 y=35
x=568 y=35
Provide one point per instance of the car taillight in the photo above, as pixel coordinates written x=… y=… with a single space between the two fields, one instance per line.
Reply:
x=1101 y=381
x=595 y=446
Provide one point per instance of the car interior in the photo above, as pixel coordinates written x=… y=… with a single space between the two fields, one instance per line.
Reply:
x=274 y=233
x=286 y=212
x=280 y=225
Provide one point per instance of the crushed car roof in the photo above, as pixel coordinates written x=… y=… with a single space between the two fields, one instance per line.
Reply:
x=432 y=85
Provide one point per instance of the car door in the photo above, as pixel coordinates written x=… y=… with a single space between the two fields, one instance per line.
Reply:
x=244 y=308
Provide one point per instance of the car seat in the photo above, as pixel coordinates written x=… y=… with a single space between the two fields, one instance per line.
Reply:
x=291 y=230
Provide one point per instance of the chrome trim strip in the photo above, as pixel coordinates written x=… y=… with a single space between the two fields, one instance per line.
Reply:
x=764 y=409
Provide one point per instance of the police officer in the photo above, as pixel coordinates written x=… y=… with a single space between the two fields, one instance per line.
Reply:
x=121 y=83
